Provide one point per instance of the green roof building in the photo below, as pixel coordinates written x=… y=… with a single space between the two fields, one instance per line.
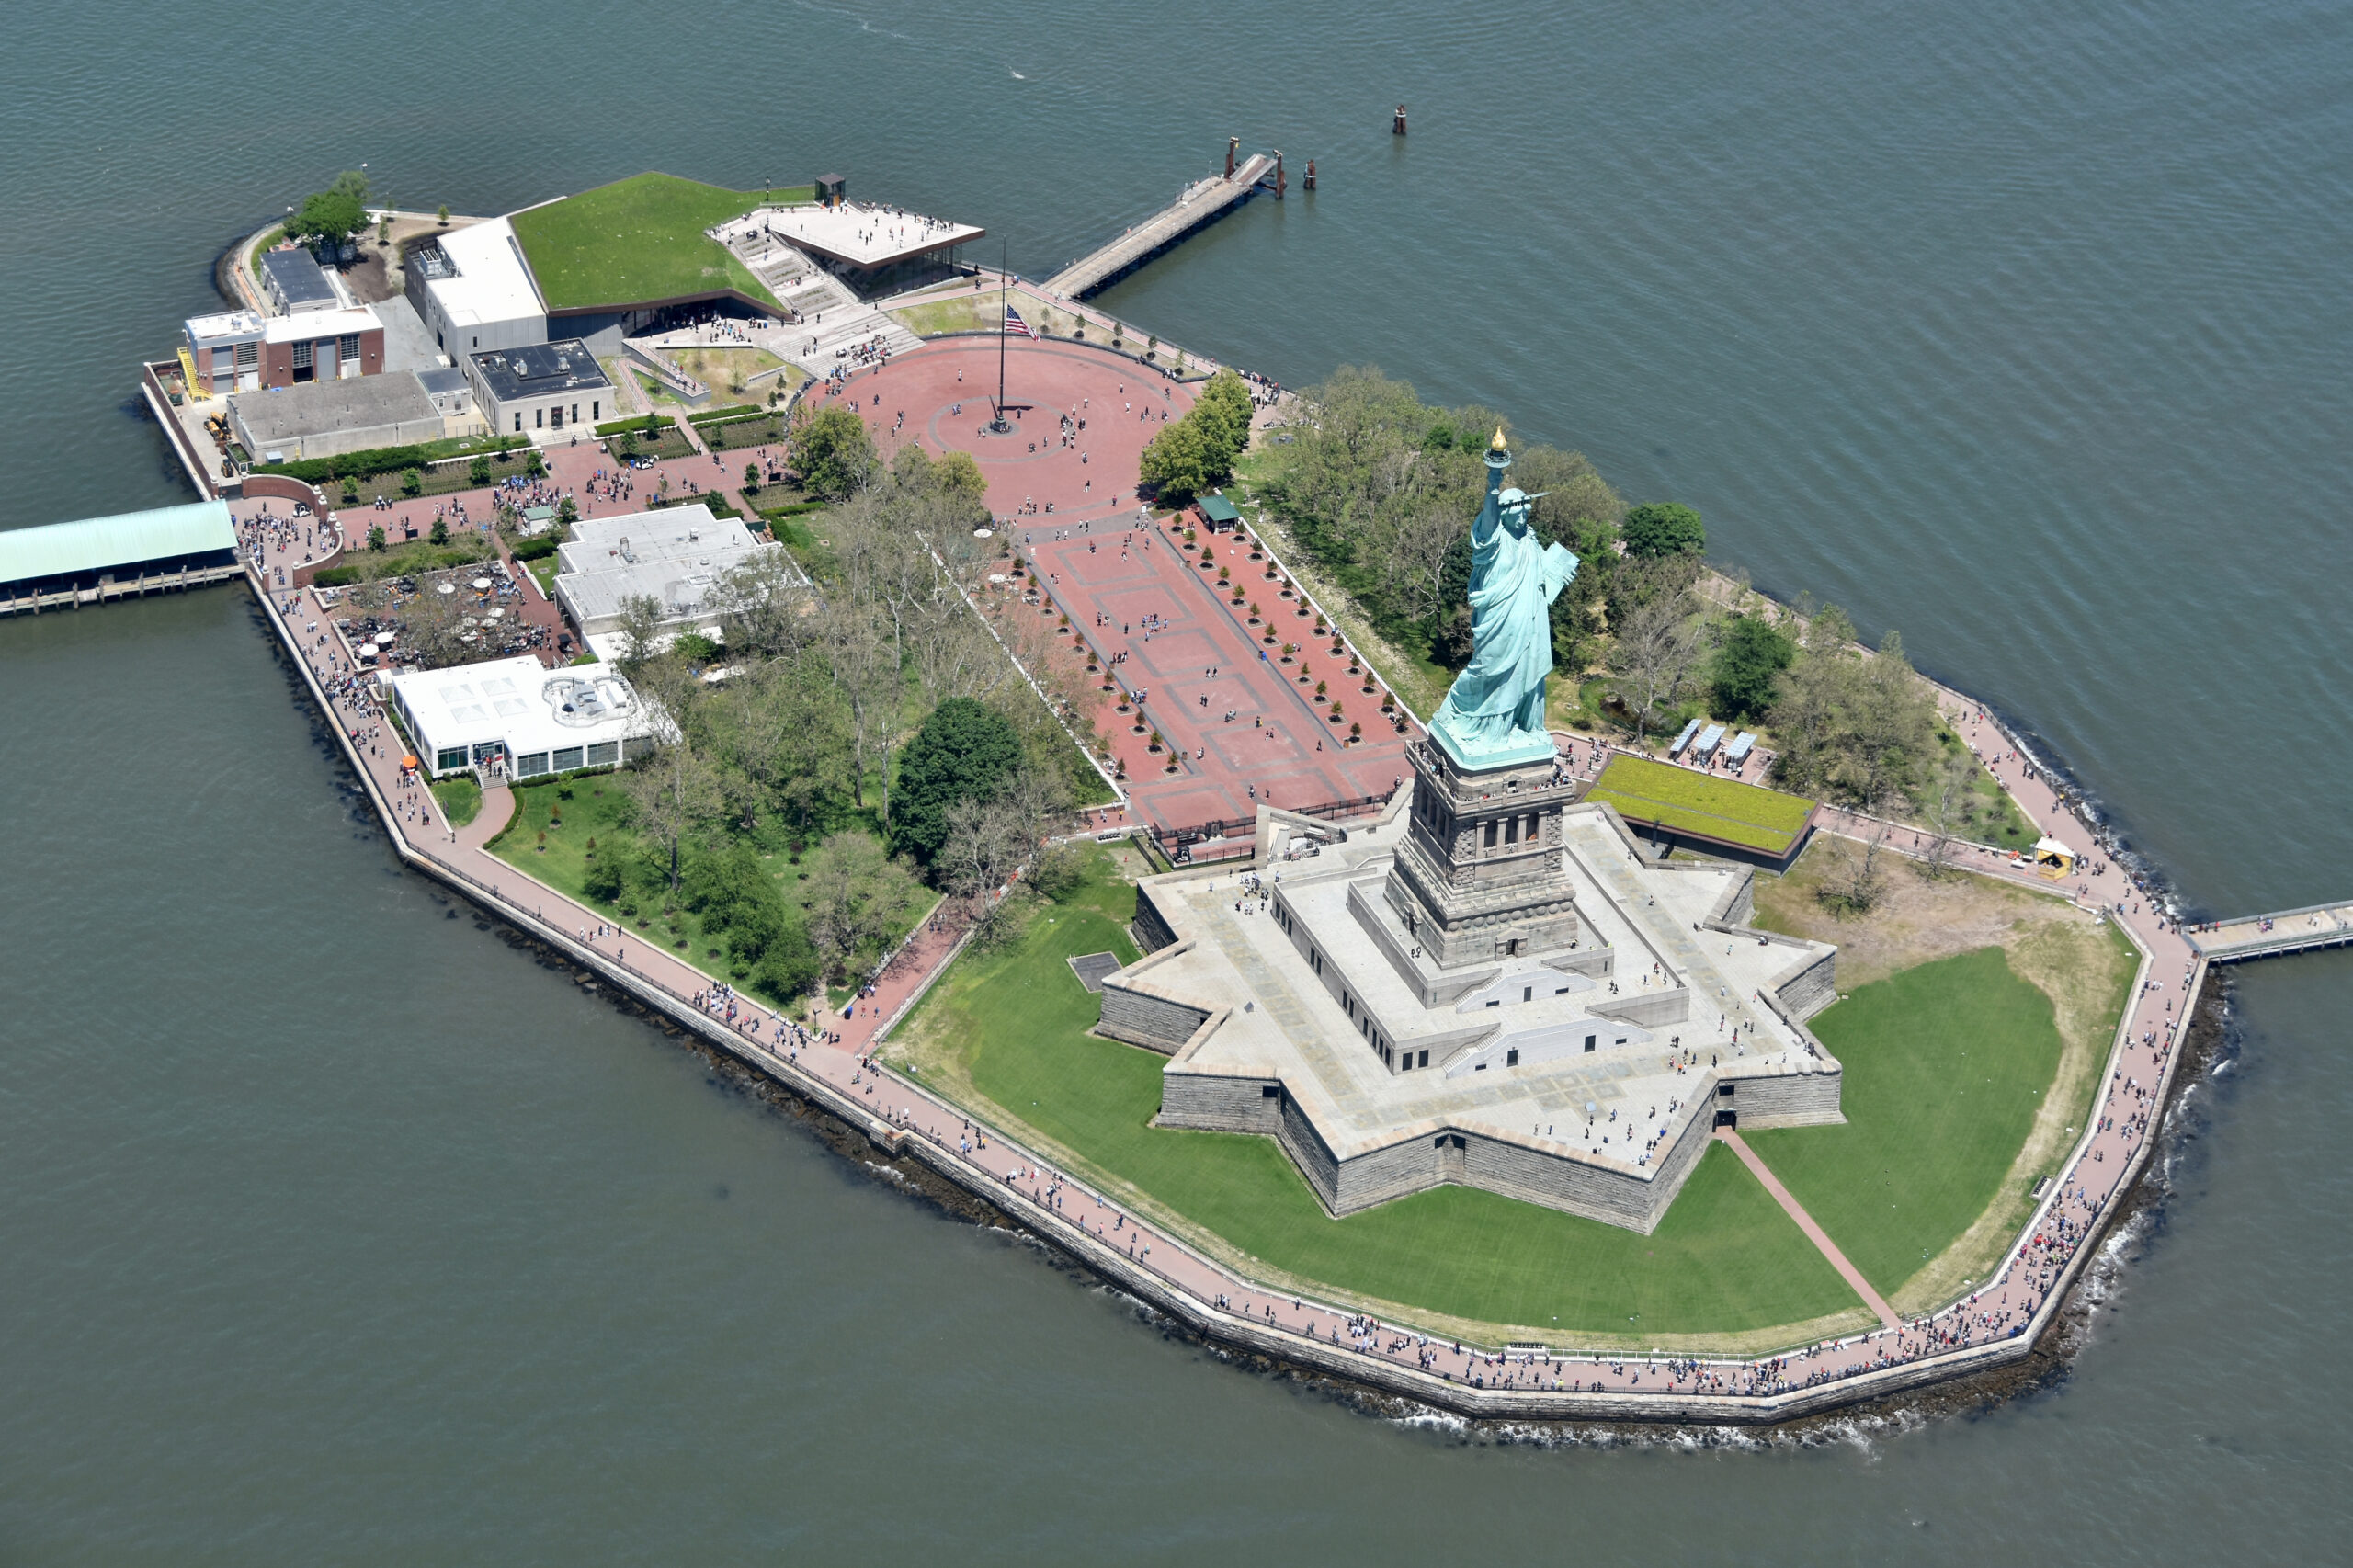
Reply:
x=164 y=541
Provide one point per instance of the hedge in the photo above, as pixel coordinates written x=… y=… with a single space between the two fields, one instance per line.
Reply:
x=733 y=411
x=644 y=424
x=538 y=549
x=391 y=460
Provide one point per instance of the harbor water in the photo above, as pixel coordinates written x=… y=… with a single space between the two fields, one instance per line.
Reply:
x=335 y=1227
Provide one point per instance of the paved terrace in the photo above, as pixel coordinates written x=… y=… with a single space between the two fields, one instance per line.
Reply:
x=1993 y=1324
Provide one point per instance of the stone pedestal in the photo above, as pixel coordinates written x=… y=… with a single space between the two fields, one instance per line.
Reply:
x=1479 y=876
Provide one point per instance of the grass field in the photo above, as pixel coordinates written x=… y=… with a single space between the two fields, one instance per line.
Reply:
x=1946 y=1067
x=1697 y=802
x=549 y=835
x=638 y=239
x=459 y=799
x=1006 y=1033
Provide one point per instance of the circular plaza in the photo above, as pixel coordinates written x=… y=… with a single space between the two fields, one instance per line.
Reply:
x=1080 y=417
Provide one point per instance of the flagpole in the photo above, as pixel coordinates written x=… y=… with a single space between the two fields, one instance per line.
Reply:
x=1001 y=425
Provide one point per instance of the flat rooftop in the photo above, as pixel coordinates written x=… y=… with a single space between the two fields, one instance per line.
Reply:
x=285 y=414
x=229 y=325
x=522 y=703
x=313 y=324
x=680 y=584
x=1684 y=799
x=861 y=235
x=298 y=279
x=672 y=533
x=485 y=280
x=542 y=369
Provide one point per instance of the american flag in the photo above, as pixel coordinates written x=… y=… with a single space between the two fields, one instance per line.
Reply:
x=1013 y=324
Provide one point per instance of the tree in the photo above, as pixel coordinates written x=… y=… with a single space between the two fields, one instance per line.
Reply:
x=673 y=793
x=442 y=212
x=478 y=472
x=964 y=750
x=640 y=628
x=440 y=533
x=1946 y=810
x=963 y=493
x=1748 y=665
x=333 y=215
x=1653 y=654
x=411 y=482
x=376 y=537
x=1178 y=463
x=751 y=476
x=858 y=899
x=1662 y=528
x=833 y=452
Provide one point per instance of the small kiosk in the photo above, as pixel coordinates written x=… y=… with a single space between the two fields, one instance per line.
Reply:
x=2053 y=860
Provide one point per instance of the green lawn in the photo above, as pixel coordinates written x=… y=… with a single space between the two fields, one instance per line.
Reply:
x=549 y=837
x=1697 y=802
x=639 y=239
x=1946 y=1066
x=459 y=799
x=1008 y=1030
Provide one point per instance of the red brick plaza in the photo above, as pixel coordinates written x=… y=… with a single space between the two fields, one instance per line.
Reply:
x=1242 y=726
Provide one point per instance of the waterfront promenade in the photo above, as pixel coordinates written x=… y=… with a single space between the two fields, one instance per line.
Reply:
x=1995 y=1324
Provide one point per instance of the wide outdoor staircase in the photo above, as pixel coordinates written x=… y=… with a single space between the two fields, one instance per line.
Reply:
x=814 y=292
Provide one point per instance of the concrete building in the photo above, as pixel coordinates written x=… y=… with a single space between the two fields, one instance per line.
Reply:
x=473 y=291
x=675 y=556
x=297 y=284
x=541 y=390
x=322 y=419
x=516 y=717
x=453 y=395
x=1490 y=986
x=224 y=351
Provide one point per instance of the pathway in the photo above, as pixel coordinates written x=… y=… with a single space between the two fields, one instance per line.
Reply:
x=1813 y=1232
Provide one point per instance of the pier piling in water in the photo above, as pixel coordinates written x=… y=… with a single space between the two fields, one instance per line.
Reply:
x=1397 y=126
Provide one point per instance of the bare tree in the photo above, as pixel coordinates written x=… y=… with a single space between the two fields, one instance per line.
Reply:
x=674 y=791
x=641 y=628
x=1946 y=813
x=1654 y=653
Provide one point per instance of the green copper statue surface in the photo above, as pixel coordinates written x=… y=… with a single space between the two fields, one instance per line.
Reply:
x=1493 y=714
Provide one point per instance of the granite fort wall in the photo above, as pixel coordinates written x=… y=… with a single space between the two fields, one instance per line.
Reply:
x=1785 y=1099
x=1199 y=1102
x=1154 y=1022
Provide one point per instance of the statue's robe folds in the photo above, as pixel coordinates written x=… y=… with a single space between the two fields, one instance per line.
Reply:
x=1497 y=702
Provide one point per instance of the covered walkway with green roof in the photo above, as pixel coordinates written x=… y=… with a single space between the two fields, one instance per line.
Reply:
x=96 y=559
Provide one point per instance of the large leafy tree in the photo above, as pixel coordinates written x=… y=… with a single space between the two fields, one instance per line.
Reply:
x=833 y=452
x=1748 y=663
x=335 y=214
x=1662 y=528
x=964 y=751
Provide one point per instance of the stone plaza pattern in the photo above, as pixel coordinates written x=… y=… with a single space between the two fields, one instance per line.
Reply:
x=1488 y=986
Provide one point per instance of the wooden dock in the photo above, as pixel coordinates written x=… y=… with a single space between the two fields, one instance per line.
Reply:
x=108 y=589
x=1202 y=201
x=2270 y=936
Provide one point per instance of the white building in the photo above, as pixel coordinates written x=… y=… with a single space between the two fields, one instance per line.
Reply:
x=523 y=718
x=474 y=292
x=675 y=556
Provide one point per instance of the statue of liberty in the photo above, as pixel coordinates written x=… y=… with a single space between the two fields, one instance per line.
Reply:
x=1493 y=714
